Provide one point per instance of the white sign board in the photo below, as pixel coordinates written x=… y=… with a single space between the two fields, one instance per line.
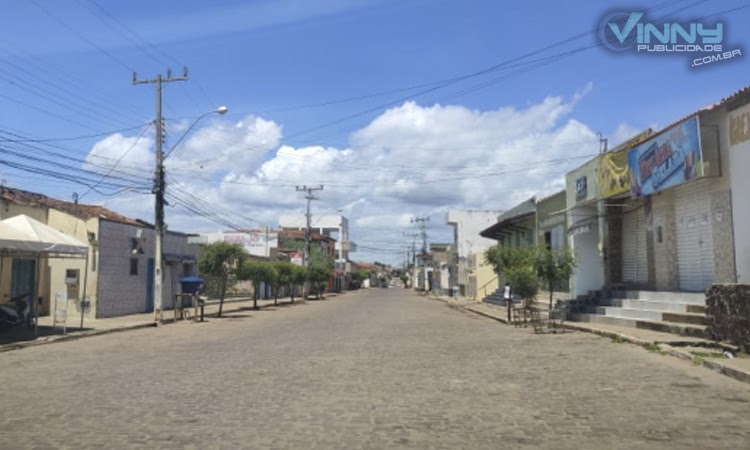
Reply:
x=60 y=315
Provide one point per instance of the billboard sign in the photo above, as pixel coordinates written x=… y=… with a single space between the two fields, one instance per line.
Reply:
x=613 y=168
x=666 y=160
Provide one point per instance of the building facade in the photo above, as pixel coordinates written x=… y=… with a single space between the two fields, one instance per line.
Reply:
x=467 y=226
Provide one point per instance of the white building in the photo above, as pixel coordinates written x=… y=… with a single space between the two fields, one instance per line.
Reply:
x=256 y=242
x=466 y=228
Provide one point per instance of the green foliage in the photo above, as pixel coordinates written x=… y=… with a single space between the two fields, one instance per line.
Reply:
x=526 y=269
x=501 y=258
x=299 y=275
x=318 y=276
x=361 y=275
x=221 y=261
x=554 y=267
x=317 y=256
x=523 y=282
x=284 y=277
x=259 y=272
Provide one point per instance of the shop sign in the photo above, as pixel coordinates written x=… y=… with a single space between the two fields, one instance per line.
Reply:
x=613 y=168
x=667 y=160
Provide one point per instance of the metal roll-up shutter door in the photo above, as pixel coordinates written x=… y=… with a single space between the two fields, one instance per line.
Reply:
x=695 y=245
x=634 y=249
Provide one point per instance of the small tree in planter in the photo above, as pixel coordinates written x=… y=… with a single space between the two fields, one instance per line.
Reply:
x=222 y=261
x=524 y=283
x=318 y=276
x=299 y=277
x=259 y=272
x=554 y=267
x=285 y=277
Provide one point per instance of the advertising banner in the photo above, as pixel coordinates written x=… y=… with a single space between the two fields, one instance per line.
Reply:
x=667 y=160
x=613 y=168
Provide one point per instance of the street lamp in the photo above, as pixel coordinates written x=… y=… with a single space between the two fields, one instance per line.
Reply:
x=159 y=191
x=220 y=110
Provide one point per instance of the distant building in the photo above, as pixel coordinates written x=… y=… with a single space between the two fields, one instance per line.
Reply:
x=467 y=241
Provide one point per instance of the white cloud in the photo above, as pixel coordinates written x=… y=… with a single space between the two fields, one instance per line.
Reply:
x=121 y=155
x=412 y=160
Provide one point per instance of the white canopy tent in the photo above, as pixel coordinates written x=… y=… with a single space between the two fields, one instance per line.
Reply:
x=22 y=236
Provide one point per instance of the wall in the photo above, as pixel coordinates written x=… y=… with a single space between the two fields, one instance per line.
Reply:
x=665 y=252
x=715 y=145
x=738 y=134
x=79 y=229
x=589 y=275
x=256 y=242
x=483 y=279
x=466 y=228
x=589 y=172
x=548 y=221
x=121 y=293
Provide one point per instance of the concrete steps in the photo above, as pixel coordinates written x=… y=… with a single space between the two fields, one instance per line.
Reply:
x=672 y=312
x=681 y=329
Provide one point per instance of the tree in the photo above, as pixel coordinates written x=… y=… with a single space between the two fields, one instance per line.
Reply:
x=299 y=276
x=318 y=276
x=554 y=267
x=222 y=261
x=524 y=282
x=506 y=257
x=517 y=266
x=360 y=275
x=285 y=277
x=259 y=272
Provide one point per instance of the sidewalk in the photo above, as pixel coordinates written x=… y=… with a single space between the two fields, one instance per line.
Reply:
x=702 y=352
x=19 y=337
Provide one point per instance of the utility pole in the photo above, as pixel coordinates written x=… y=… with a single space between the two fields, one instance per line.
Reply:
x=423 y=234
x=308 y=232
x=159 y=187
x=413 y=237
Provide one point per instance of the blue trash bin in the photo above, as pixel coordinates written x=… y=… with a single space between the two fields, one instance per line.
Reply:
x=191 y=285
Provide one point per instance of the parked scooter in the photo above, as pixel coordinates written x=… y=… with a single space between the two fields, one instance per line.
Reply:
x=16 y=312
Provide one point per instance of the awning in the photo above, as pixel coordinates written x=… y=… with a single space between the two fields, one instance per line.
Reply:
x=507 y=227
x=22 y=234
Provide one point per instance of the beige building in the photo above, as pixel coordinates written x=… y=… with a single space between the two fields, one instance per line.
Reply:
x=119 y=269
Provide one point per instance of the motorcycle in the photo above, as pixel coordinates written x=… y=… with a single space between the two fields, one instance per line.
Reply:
x=16 y=312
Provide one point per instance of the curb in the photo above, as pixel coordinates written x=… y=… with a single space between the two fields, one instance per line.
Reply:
x=713 y=365
x=73 y=336
x=91 y=333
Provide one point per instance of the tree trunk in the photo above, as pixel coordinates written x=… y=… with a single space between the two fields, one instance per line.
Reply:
x=550 y=295
x=255 y=295
x=221 y=298
x=291 y=292
x=275 y=295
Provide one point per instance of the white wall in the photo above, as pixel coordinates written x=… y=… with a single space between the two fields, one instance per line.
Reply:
x=589 y=275
x=467 y=225
x=256 y=242
x=739 y=165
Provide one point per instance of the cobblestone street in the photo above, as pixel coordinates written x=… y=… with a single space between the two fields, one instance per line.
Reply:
x=375 y=369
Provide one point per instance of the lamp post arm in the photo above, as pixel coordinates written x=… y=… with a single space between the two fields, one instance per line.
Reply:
x=221 y=110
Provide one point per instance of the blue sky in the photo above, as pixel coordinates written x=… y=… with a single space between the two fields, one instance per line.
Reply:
x=273 y=63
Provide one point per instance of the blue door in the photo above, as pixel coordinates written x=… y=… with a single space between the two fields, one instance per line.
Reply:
x=150 y=285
